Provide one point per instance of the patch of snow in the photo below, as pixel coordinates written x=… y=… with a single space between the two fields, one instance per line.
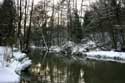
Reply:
x=12 y=62
x=23 y=65
x=75 y=49
x=71 y=48
x=81 y=49
x=8 y=76
x=89 y=45
x=68 y=44
x=19 y=62
x=78 y=49
x=19 y=55
x=15 y=49
x=55 y=49
x=106 y=55
x=33 y=46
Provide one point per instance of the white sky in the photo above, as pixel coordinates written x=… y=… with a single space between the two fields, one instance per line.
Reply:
x=79 y=1
x=1 y=1
x=85 y=2
x=36 y=1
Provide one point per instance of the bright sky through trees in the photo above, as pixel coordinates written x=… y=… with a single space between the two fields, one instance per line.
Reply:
x=86 y=2
x=1 y=1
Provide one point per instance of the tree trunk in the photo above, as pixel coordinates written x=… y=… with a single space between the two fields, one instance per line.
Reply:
x=29 y=28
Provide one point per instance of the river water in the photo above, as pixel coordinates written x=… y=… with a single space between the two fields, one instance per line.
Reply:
x=51 y=68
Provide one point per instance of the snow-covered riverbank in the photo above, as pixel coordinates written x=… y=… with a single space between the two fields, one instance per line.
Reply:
x=19 y=61
x=89 y=50
x=11 y=64
x=106 y=56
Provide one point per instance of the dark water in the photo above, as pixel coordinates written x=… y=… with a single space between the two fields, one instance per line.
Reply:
x=49 y=68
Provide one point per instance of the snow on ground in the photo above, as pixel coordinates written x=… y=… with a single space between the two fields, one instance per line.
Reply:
x=19 y=62
x=16 y=63
x=18 y=55
x=55 y=49
x=73 y=48
x=107 y=56
x=89 y=44
x=8 y=76
x=68 y=44
x=25 y=63
x=78 y=49
x=89 y=50
x=13 y=64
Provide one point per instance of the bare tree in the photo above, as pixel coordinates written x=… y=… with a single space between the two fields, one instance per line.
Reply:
x=29 y=28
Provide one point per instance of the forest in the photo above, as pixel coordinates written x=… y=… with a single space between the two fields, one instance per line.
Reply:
x=52 y=22
x=62 y=41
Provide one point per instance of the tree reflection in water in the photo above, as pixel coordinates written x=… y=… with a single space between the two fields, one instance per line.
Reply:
x=104 y=72
x=56 y=69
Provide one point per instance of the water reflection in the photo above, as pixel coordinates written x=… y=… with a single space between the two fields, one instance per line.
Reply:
x=56 y=69
x=104 y=72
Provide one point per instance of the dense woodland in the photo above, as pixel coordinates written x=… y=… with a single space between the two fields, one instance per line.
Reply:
x=23 y=23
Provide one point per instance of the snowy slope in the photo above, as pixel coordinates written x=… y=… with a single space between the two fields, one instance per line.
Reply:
x=19 y=61
x=11 y=63
x=8 y=76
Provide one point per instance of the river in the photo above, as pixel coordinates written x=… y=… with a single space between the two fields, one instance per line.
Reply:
x=51 y=68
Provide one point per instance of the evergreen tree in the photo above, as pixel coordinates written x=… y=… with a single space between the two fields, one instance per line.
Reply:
x=76 y=30
x=7 y=18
